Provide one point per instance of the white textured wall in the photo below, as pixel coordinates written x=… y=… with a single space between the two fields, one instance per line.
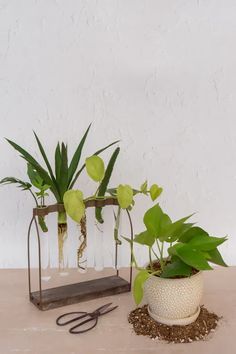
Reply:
x=160 y=75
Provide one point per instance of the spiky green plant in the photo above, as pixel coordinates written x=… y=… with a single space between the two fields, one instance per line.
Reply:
x=38 y=196
x=62 y=179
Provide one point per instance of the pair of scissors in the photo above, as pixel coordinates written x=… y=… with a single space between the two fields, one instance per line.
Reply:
x=86 y=318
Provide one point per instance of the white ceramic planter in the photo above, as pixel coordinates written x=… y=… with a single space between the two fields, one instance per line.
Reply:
x=174 y=301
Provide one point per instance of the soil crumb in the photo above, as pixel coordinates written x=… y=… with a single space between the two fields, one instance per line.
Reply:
x=144 y=325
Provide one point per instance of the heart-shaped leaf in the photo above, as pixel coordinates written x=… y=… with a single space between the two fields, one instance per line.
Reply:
x=191 y=233
x=139 y=280
x=95 y=168
x=124 y=196
x=74 y=205
x=155 y=191
x=190 y=256
x=145 y=238
x=175 y=268
x=171 y=231
x=153 y=219
x=206 y=243
x=215 y=257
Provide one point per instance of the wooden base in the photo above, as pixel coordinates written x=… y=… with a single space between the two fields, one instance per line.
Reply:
x=73 y=293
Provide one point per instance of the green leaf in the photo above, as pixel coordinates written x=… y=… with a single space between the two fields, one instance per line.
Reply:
x=143 y=187
x=206 y=243
x=103 y=186
x=176 y=268
x=74 y=204
x=216 y=258
x=190 y=256
x=96 y=153
x=182 y=230
x=144 y=238
x=139 y=280
x=170 y=232
x=165 y=221
x=155 y=191
x=76 y=158
x=124 y=196
x=41 y=149
x=12 y=180
x=58 y=162
x=153 y=220
x=63 y=181
x=42 y=172
x=95 y=168
x=191 y=233
x=34 y=177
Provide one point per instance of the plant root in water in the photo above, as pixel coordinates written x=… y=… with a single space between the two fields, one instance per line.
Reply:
x=83 y=244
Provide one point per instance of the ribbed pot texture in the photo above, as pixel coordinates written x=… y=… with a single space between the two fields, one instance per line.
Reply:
x=174 y=299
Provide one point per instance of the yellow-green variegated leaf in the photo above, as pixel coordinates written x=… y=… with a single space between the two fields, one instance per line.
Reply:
x=143 y=187
x=74 y=204
x=155 y=191
x=139 y=281
x=95 y=168
x=124 y=195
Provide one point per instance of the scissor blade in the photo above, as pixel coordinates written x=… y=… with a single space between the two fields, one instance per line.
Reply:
x=104 y=307
x=109 y=310
x=105 y=310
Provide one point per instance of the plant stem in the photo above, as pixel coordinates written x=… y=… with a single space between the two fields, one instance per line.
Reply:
x=150 y=257
x=35 y=199
x=62 y=218
x=162 y=249
x=117 y=225
x=161 y=254
x=158 y=258
x=133 y=257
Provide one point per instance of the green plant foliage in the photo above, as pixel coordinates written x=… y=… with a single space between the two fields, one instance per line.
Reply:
x=21 y=184
x=170 y=232
x=83 y=166
x=143 y=188
x=190 y=256
x=155 y=192
x=176 y=268
x=66 y=174
x=153 y=220
x=206 y=243
x=216 y=258
x=76 y=157
x=74 y=204
x=103 y=186
x=145 y=238
x=124 y=195
x=139 y=280
x=95 y=168
x=41 y=171
x=191 y=233
x=191 y=248
x=36 y=180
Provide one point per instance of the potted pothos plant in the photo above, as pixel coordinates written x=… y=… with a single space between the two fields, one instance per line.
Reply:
x=172 y=282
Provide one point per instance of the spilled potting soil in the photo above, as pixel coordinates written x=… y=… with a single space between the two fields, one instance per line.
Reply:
x=143 y=324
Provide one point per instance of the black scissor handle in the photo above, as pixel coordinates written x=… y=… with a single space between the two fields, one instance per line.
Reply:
x=64 y=323
x=73 y=329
